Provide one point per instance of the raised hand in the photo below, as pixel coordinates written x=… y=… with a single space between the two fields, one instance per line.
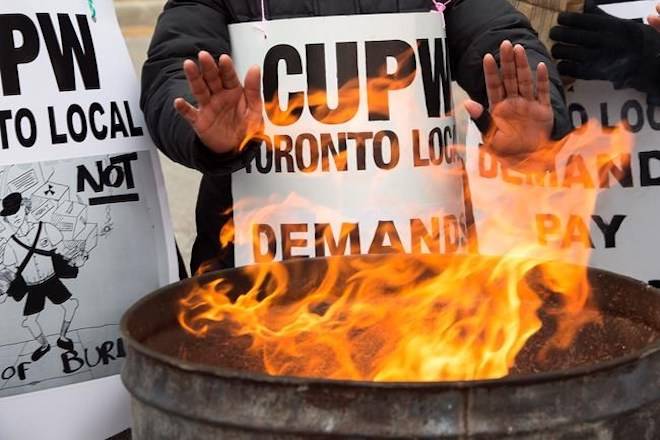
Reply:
x=522 y=117
x=228 y=113
x=654 y=20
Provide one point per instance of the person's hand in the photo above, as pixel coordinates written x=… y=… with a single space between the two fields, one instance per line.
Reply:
x=522 y=117
x=654 y=20
x=228 y=113
x=597 y=46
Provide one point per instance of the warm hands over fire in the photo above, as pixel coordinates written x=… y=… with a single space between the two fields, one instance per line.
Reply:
x=521 y=112
x=228 y=113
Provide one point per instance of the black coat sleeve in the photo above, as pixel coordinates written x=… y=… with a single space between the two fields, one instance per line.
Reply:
x=478 y=27
x=184 y=28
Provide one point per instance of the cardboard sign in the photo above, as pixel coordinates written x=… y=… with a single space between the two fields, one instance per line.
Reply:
x=84 y=227
x=360 y=154
x=622 y=229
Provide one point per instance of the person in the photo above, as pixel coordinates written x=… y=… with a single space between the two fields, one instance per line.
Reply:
x=215 y=112
x=654 y=19
x=597 y=46
x=28 y=256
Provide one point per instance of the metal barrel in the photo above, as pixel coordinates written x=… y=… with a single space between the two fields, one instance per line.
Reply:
x=175 y=399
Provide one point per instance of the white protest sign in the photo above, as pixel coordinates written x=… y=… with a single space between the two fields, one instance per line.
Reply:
x=84 y=226
x=360 y=154
x=622 y=229
x=633 y=10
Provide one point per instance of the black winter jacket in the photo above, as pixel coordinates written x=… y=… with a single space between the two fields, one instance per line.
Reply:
x=474 y=28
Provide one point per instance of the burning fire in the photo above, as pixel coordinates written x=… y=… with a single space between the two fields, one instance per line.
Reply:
x=423 y=318
x=439 y=318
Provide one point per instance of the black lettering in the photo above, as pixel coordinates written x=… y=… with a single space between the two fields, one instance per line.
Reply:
x=8 y=373
x=604 y=115
x=71 y=362
x=324 y=236
x=436 y=77
x=135 y=131
x=610 y=229
x=105 y=352
x=633 y=106
x=11 y=55
x=121 y=351
x=650 y=116
x=575 y=108
x=84 y=176
x=347 y=84
x=73 y=111
x=452 y=232
x=290 y=56
x=395 y=154
x=109 y=172
x=117 y=124
x=386 y=232
x=645 y=158
x=5 y=115
x=62 y=51
x=309 y=140
x=125 y=161
x=436 y=146
x=419 y=233
x=29 y=140
x=22 y=370
x=264 y=157
x=289 y=243
x=361 y=147
x=382 y=82
x=338 y=154
x=99 y=133
x=418 y=161
x=268 y=233
x=283 y=153
x=622 y=174
x=55 y=137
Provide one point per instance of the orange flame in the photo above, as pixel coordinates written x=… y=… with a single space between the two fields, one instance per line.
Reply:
x=392 y=321
x=439 y=319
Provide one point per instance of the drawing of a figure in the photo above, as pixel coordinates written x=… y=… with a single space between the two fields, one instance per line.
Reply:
x=35 y=260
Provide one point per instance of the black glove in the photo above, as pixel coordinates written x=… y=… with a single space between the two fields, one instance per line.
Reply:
x=595 y=45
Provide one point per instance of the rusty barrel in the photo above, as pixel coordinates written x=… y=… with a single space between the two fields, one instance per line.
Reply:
x=615 y=397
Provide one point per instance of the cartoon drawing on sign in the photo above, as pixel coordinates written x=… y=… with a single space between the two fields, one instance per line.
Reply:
x=50 y=240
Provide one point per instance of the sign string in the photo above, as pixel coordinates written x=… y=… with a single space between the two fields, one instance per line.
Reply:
x=262 y=25
x=440 y=6
x=92 y=8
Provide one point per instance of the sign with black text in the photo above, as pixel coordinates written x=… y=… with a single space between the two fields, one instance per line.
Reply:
x=359 y=154
x=84 y=225
x=621 y=231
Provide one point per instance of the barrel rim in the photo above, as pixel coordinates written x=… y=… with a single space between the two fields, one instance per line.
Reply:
x=263 y=378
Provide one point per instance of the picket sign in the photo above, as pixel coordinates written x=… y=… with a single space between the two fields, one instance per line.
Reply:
x=76 y=158
x=356 y=167
x=623 y=228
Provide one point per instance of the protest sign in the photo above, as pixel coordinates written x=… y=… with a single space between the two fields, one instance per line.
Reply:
x=622 y=230
x=84 y=227
x=359 y=156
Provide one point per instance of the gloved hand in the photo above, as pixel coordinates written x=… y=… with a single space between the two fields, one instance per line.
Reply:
x=597 y=46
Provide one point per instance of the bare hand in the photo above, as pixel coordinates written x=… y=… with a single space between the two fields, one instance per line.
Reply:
x=522 y=117
x=228 y=114
x=654 y=20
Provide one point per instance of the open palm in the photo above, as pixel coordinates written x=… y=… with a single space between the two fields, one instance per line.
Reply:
x=228 y=113
x=522 y=117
